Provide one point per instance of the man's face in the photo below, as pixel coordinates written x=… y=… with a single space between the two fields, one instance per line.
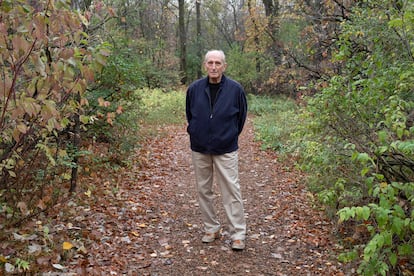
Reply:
x=215 y=67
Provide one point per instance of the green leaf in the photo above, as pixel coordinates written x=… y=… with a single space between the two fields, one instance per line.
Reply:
x=345 y=214
x=84 y=119
x=393 y=259
x=348 y=256
x=382 y=216
x=363 y=158
x=364 y=171
x=397 y=22
x=405 y=249
x=382 y=136
x=12 y=174
x=366 y=212
x=400 y=132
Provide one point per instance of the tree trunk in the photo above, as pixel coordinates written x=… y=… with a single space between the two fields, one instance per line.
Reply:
x=198 y=23
x=182 y=36
x=256 y=33
x=272 y=9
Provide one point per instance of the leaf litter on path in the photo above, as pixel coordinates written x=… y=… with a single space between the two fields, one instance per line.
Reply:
x=144 y=219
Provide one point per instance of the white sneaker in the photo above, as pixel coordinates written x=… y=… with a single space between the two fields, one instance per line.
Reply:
x=210 y=237
x=238 y=245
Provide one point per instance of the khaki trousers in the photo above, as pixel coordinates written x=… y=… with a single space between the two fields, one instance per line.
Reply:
x=225 y=168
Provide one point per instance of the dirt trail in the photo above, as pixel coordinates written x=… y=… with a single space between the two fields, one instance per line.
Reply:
x=150 y=223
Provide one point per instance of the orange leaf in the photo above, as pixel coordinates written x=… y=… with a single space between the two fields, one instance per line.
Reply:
x=119 y=110
x=67 y=246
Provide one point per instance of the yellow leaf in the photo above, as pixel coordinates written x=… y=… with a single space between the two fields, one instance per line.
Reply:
x=88 y=193
x=3 y=259
x=142 y=225
x=22 y=128
x=135 y=233
x=67 y=246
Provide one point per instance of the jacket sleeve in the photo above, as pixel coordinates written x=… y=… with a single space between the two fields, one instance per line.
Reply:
x=243 y=110
x=188 y=106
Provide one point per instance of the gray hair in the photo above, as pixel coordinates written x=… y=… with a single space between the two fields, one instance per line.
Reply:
x=219 y=52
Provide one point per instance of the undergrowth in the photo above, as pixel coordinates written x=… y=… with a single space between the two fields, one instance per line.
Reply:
x=274 y=120
x=162 y=108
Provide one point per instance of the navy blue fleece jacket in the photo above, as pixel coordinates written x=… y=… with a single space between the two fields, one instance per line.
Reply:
x=215 y=130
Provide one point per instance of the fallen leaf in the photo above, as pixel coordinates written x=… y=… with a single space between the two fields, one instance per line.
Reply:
x=3 y=259
x=276 y=255
x=163 y=241
x=67 y=246
x=88 y=193
x=58 y=266
x=165 y=254
x=34 y=248
x=9 y=268
x=214 y=263
x=41 y=205
x=43 y=260
x=126 y=239
x=18 y=237
x=136 y=234
x=82 y=250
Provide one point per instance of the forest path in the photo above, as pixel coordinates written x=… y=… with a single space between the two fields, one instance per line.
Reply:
x=145 y=220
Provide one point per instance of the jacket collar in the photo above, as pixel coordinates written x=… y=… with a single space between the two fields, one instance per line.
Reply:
x=223 y=79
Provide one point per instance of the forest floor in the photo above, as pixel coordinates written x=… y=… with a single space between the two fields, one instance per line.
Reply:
x=144 y=220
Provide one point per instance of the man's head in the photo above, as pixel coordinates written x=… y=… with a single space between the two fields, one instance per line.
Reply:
x=215 y=65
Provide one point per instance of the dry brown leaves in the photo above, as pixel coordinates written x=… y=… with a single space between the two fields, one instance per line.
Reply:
x=144 y=219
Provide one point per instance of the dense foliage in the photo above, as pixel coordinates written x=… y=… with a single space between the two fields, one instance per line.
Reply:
x=46 y=69
x=357 y=139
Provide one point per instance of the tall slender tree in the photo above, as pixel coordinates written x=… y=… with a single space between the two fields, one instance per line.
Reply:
x=183 y=42
x=198 y=29
x=255 y=30
x=272 y=9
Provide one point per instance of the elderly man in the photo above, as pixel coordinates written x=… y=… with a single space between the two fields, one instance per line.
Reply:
x=216 y=111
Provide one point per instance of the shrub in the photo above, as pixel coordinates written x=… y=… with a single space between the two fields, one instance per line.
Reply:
x=357 y=141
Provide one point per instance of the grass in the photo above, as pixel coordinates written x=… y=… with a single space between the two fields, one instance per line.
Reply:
x=162 y=108
x=275 y=118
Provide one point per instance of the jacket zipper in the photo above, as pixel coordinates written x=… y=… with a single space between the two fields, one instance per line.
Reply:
x=209 y=102
x=215 y=101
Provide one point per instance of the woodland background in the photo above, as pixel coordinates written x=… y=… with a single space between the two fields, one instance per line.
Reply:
x=330 y=83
